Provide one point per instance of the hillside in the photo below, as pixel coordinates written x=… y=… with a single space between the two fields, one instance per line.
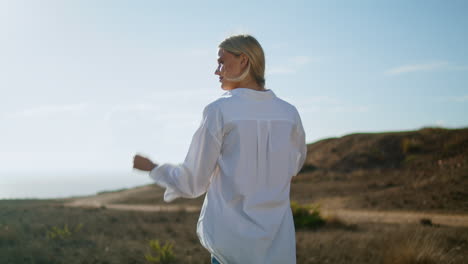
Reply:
x=418 y=171
x=425 y=169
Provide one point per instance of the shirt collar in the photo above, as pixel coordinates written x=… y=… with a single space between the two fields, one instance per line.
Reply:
x=251 y=93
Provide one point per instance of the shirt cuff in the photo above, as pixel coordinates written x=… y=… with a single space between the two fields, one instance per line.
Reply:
x=157 y=174
x=153 y=174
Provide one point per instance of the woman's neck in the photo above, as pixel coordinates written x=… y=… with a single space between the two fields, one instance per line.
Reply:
x=250 y=84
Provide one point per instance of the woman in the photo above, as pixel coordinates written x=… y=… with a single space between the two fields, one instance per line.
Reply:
x=248 y=147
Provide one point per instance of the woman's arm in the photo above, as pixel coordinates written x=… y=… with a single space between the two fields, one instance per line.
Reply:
x=191 y=178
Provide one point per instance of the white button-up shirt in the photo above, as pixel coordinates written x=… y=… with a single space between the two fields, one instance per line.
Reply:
x=245 y=152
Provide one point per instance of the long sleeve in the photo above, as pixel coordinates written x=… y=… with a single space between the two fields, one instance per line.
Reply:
x=300 y=145
x=192 y=178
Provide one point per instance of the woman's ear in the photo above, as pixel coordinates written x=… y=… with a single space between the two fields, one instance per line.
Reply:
x=244 y=59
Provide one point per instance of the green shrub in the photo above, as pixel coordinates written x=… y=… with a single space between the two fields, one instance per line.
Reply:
x=411 y=145
x=308 y=168
x=165 y=255
x=62 y=233
x=307 y=216
x=410 y=159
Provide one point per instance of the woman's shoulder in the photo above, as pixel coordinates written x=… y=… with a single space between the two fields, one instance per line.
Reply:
x=286 y=106
x=216 y=107
x=220 y=102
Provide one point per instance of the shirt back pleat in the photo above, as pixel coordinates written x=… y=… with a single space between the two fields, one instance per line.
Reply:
x=268 y=150
x=259 y=158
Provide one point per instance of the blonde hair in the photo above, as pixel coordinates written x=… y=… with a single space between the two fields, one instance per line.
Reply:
x=249 y=46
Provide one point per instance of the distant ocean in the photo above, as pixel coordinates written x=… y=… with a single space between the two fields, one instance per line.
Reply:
x=66 y=184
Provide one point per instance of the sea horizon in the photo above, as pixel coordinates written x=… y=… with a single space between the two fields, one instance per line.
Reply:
x=59 y=185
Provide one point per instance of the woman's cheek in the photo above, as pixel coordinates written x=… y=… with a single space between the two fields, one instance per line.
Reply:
x=223 y=70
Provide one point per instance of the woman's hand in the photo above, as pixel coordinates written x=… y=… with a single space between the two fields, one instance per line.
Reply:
x=142 y=163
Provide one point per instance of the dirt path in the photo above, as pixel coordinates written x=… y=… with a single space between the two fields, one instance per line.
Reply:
x=331 y=207
x=108 y=200
x=105 y=199
x=356 y=216
x=141 y=207
x=336 y=207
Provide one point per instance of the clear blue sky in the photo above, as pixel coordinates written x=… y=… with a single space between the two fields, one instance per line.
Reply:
x=86 y=84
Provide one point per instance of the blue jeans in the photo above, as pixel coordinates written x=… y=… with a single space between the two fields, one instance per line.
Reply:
x=214 y=261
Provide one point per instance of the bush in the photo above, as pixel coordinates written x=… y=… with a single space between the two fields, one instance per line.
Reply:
x=307 y=216
x=411 y=145
x=308 y=168
x=62 y=233
x=165 y=253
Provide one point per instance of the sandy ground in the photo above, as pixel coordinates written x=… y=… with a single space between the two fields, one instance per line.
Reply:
x=330 y=207
x=107 y=200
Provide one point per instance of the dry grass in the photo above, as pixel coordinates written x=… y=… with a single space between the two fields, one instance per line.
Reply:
x=384 y=244
x=418 y=248
x=108 y=236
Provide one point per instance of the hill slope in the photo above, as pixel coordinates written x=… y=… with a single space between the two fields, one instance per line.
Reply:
x=417 y=170
x=423 y=171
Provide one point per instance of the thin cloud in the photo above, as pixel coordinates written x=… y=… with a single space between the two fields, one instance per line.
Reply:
x=440 y=122
x=201 y=53
x=153 y=112
x=416 y=68
x=131 y=110
x=462 y=99
x=326 y=104
x=301 y=60
x=280 y=71
x=48 y=110
x=177 y=94
x=317 y=99
x=452 y=99
x=322 y=109
x=292 y=65
x=459 y=68
x=349 y=109
x=459 y=99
